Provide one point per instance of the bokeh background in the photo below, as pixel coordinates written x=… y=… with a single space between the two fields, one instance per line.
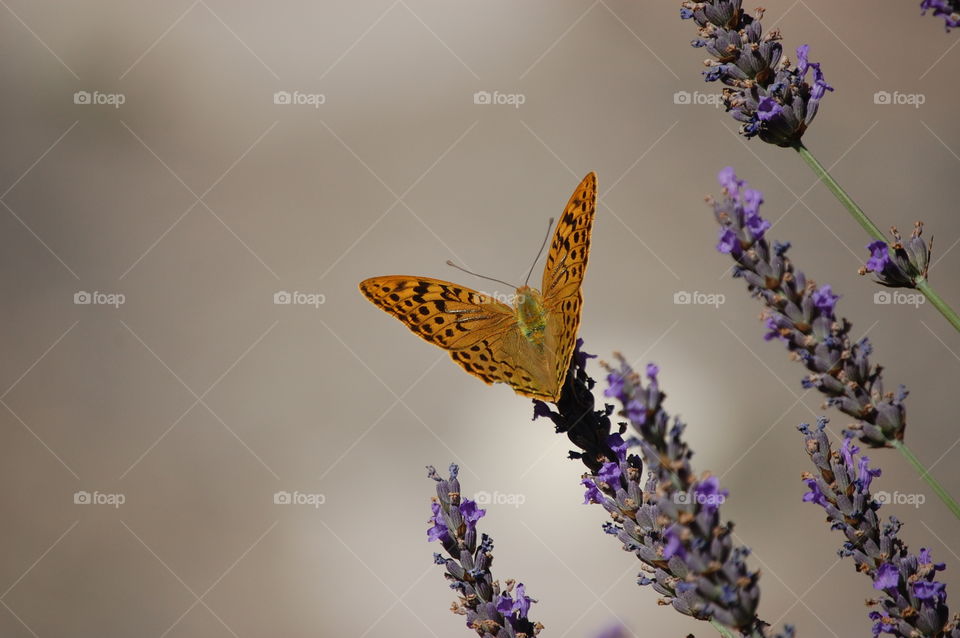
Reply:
x=198 y=398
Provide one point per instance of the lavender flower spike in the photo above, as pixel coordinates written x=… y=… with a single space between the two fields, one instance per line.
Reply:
x=949 y=10
x=803 y=316
x=773 y=100
x=912 y=603
x=910 y=263
x=670 y=521
x=491 y=611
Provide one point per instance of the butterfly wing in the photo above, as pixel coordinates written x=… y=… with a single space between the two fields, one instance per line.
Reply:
x=481 y=334
x=563 y=275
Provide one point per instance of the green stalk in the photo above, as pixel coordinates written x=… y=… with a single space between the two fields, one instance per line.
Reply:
x=724 y=630
x=835 y=188
x=861 y=217
x=924 y=287
x=927 y=477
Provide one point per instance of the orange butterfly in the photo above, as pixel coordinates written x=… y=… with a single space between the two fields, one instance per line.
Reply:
x=527 y=346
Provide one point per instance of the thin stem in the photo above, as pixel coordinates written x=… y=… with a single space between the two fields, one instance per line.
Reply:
x=922 y=285
x=840 y=194
x=951 y=315
x=927 y=477
x=722 y=629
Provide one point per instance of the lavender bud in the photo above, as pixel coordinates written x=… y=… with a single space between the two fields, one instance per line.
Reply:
x=772 y=99
x=491 y=611
x=913 y=604
x=803 y=316
x=910 y=260
x=949 y=10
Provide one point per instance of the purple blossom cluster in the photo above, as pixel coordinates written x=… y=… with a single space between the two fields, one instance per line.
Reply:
x=913 y=603
x=949 y=10
x=670 y=521
x=491 y=611
x=803 y=316
x=900 y=264
x=772 y=99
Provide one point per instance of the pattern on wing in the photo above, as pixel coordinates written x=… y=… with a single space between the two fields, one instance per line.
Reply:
x=445 y=314
x=564 y=271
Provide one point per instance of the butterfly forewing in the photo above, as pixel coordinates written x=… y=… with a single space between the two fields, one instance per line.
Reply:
x=445 y=314
x=564 y=271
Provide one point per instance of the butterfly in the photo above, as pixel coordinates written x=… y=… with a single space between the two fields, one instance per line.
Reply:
x=527 y=346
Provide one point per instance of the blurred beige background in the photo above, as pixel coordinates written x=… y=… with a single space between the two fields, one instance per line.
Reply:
x=198 y=398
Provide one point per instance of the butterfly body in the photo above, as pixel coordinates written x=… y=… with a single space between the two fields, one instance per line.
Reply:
x=531 y=314
x=527 y=345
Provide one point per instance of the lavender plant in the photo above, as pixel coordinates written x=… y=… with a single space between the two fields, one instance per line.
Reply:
x=671 y=521
x=772 y=99
x=912 y=603
x=803 y=316
x=776 y=101
x=910 y=260
x=949 y=10
x=491 y=611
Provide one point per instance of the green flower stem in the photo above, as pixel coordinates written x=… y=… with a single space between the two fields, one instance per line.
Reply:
x=722 y=629
x=923 y=285
x=840 y=194
x=927 y=477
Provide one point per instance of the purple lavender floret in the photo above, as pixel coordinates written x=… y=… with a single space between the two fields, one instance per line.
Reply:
x=803 y=316
x=491 y=611
x=900 y=264
x=913 y=604
x=949 y=10
x=671 y=519
x=773 y=100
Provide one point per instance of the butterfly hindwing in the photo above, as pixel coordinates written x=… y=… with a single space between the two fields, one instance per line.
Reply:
x=496 y=360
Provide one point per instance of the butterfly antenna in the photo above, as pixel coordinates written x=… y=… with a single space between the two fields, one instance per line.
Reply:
x=542 y=246
x=469 y=272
